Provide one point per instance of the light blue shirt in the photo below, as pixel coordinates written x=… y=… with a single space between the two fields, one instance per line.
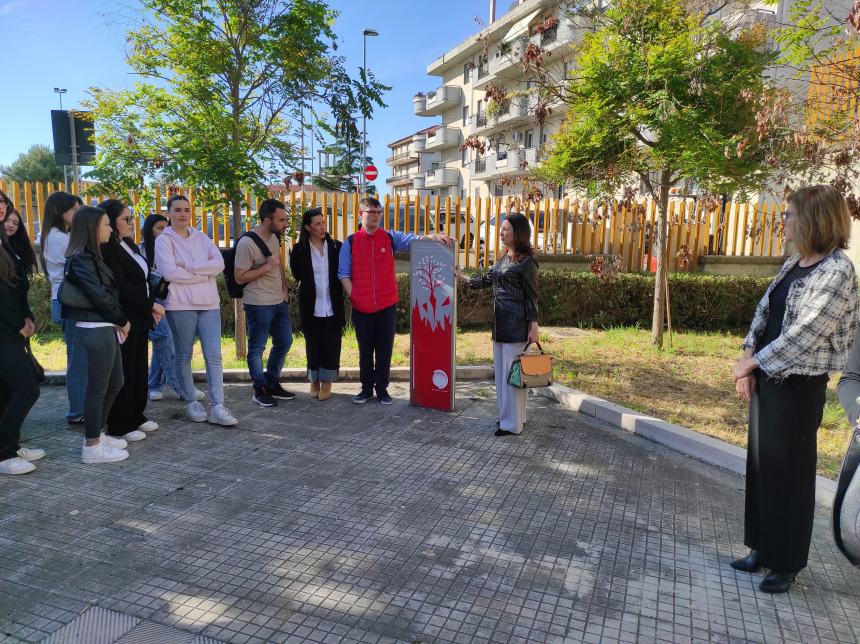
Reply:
x=402 y=241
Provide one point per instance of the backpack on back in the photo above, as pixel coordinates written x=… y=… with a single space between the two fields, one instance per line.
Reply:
x=234 y=289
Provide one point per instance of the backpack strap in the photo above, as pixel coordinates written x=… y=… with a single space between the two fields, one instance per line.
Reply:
x=390 y=238
x=264 y=248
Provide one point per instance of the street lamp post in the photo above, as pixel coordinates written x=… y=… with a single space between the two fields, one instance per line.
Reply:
x=372 y=33
x=60 y=91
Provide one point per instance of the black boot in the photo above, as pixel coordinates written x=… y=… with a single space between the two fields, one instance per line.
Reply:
x=778 y=582
x=750 y=563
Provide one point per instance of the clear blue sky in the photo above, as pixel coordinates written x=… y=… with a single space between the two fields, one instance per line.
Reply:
x=80 y=44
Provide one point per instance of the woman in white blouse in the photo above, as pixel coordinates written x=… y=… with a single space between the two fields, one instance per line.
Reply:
x=314 y=262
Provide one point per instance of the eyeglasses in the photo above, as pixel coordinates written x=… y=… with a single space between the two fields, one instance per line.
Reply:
x=127 y=220
x=373 y=212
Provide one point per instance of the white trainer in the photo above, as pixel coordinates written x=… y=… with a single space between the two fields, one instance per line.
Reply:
x=134 y=436
x=219 y=415
x=102 y=453
x=196 y=412
x=199 y=395
x=113 y=441
x=155 y=394
x=31 y=453
x=149 y=426
x=16 y=465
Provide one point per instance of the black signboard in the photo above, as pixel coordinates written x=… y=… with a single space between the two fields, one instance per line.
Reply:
x=61 y=126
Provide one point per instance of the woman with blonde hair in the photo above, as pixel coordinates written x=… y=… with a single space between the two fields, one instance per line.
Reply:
x=802 y=331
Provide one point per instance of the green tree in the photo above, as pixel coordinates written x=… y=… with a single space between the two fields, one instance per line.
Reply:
x=661 y=93
x=345 y=151
x=36 y=164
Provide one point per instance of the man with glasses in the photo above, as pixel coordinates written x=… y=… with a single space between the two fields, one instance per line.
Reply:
x=366 y=270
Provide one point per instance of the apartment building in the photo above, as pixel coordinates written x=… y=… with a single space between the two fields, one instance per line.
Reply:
x=410 y=161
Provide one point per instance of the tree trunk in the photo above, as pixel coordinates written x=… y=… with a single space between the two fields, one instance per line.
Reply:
x=660 y=238
x=240 y=333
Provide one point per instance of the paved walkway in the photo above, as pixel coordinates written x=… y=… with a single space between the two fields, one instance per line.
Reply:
x=332 y=522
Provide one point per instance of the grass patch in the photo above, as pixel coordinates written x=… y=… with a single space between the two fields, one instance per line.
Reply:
x=689 y=384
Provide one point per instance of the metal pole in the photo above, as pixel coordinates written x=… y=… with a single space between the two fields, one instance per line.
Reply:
x=74 y=150
x=364 y=123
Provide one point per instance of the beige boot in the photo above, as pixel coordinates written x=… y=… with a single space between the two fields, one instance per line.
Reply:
x=315 y=389
x=325 y=390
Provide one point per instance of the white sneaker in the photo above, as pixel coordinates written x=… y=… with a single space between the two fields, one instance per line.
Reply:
x=134 y=436
x=196 y=412
x=103 y=452
x=16 y=465
x=149 y=426
x=113 y=441
x=31 y=453
x=199 y=395
x=219 y=415
x=156 y=395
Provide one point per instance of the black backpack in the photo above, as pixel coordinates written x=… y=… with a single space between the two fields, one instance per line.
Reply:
x=234 y=289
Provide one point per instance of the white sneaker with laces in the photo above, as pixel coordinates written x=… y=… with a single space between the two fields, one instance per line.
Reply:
x=156 y=395
x=149 y=426
x=16 y=465
x=31 y=453
x=134 y=436
x=116 y=443
x=102 y=452
x=196 y=412
x=219 y=415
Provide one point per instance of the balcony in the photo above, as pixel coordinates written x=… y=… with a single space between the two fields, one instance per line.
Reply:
x=441 y=177
x=444 y=137
x=404 y=178
x=565 y=32
x=515 y=111
x=505 y=163
x=409 y=154
x=434 y=103
x=510 y=63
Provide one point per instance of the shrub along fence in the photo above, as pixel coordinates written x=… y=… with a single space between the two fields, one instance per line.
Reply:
x=566 y=298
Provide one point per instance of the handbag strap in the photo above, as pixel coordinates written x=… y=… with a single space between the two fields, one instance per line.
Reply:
x=528 y=344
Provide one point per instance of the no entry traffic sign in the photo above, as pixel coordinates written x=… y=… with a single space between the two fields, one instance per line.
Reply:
x=370 y=172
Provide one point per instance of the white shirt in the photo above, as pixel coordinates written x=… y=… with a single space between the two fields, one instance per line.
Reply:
x=322 y=306
x=54 y=247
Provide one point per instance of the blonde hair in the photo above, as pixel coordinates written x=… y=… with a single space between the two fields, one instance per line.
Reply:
x=822 y=222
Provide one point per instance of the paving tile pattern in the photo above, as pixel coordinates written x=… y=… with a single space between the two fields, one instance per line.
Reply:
x=336 y=522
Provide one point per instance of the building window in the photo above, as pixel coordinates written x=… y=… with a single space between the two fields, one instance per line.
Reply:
x=463 y=158
x=530 y=139
x=498 y=191
x=467 y=72
x=465 y=115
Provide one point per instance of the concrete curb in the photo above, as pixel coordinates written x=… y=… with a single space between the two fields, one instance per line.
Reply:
x=701 y=447
x=347 y=374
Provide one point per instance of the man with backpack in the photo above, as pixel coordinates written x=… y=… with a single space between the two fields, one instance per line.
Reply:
x=258 y=272
x=366 y=270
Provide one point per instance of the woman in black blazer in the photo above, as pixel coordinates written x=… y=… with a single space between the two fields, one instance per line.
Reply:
x=126 y=418
x=313 y=262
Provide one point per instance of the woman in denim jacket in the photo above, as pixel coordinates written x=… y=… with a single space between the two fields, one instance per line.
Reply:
x=802 y=331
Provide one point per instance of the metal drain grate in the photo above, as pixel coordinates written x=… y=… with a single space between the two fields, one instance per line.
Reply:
x=98 y=625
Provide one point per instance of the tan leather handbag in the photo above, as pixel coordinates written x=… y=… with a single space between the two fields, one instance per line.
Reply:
x=531 y=370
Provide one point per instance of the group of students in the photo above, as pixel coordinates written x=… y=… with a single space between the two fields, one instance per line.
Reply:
x=108 y=296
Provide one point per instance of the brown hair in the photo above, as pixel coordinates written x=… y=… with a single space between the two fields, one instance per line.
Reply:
x=822 y=222
x=84 y=233
x=522 y=244
x=366 y=202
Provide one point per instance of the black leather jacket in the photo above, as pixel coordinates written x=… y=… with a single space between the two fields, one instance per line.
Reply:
x=514 y=297
x=92 y=276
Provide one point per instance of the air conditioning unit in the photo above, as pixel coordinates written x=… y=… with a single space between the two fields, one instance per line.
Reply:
x=517 y=136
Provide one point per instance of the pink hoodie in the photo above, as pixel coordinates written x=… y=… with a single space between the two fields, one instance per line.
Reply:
x=190 y=265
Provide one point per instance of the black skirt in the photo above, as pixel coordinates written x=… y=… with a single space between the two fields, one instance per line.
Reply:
x=781 y=460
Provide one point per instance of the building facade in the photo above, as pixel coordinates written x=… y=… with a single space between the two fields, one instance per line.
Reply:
x=410 y=161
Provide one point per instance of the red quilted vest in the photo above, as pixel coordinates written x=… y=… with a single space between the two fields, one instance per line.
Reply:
x=373 y=284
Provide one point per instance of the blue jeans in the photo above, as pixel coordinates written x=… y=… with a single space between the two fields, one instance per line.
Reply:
x=263 y=321
x=185 y=326
x=76 y=363
x=162 y=368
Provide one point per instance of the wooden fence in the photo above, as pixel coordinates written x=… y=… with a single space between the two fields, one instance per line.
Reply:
x=559 y=227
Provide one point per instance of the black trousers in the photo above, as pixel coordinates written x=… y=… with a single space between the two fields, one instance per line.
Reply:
x=104 y=375
x=127 y=412
x=781 y=458
x=375 y=335
x=19 y=391
x=323 y=337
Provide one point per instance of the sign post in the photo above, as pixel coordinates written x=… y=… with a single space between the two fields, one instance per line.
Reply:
x=433 y=325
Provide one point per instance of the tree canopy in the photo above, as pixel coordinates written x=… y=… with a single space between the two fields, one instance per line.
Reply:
x=36 y=164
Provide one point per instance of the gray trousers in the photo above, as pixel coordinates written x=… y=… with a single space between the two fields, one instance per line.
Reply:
x=104 y=375
x=512 y=400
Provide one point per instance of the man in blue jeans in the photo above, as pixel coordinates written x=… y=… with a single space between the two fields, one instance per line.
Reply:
x=266 y=302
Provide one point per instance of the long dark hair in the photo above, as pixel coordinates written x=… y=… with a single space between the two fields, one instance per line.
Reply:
x=8 y=274
x=84 y=233
x=55 y=205
x=20 y=243
x=522 y=244
x=304 y=234
x=149 y=237
x=114 y=208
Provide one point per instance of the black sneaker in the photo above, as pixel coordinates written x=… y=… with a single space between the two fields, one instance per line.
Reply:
x=384 y=398
x=362 y=397
x=276 y=391
x=77 y=420
x=263 y=398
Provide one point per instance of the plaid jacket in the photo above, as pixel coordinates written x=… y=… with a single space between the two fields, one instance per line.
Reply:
x=821 y=315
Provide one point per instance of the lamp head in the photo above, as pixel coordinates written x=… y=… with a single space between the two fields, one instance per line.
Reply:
x=369 y=32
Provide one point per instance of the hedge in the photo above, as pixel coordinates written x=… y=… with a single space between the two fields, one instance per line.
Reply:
x=566 y=298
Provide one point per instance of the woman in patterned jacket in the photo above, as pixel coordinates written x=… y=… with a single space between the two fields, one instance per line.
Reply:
x=801 y=332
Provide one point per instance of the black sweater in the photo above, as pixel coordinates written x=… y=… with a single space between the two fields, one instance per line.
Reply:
x=14 y=308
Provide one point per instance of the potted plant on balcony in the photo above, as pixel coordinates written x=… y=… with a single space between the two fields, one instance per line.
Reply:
x=547 y=24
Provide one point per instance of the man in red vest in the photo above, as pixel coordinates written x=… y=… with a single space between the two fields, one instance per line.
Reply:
x=366 y=270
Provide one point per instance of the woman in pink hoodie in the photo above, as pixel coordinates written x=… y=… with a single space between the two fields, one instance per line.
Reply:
x=189 y=260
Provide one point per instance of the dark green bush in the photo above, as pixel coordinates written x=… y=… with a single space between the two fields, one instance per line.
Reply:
x=566 y=298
